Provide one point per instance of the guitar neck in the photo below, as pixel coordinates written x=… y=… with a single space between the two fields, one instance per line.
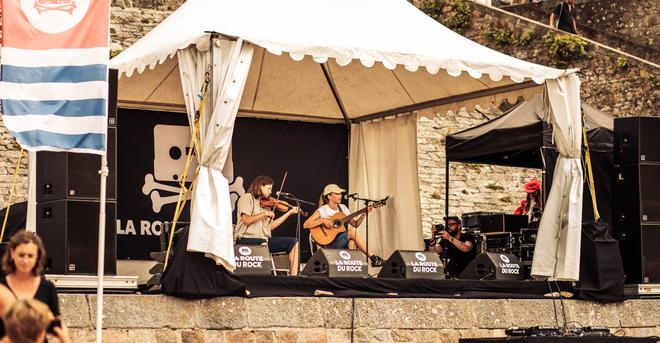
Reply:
x=353 y=215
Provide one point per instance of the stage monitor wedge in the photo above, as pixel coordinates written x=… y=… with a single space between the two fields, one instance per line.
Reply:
x=494 y=266
x=253 y=260
x=337 y=263
x=410 y=264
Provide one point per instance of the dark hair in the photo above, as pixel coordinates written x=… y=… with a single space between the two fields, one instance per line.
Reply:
x=323 y=200
x=24 y=237
x=255 y=186
x=537 y=200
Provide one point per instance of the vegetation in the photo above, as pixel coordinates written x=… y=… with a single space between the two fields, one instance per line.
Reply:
x=622 y=63
x=459 y=16
x=566 y=48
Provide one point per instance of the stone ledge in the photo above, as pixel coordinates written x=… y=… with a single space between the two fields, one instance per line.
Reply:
x=159 y=312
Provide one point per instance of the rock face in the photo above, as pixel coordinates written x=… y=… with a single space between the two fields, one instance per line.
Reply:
x=137 y=318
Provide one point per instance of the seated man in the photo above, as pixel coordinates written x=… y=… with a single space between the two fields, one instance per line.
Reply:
x=455 y=246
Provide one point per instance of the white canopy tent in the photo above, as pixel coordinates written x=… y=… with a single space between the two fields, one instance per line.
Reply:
x=348 y=61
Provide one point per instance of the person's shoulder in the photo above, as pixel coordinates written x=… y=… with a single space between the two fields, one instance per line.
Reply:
x=45 y=283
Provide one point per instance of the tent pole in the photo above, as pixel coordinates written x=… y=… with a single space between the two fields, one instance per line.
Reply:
x=446 y=188
x=101 y=248
x=335 y=93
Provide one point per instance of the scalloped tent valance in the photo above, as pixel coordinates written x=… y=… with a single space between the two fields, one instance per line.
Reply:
x=328 y=61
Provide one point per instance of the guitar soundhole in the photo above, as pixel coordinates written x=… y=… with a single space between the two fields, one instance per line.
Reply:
x=336 y=224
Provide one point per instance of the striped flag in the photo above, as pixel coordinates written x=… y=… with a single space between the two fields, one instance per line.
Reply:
x=54 y=81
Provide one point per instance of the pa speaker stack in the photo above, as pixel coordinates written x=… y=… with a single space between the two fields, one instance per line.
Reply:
x=68 y=186
x=636 y=194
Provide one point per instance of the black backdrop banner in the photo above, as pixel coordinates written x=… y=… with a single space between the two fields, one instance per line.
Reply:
x=151 y=148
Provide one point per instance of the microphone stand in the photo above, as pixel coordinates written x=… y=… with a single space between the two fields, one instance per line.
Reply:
x=366 y=204
x=298 y=220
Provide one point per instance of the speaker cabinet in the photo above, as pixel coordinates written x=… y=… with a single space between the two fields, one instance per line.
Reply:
x=640 y=253
x=62 y=175
x=336 y=263
x=636 y=140
x=637 y=193
x=494 y=266
x=69 y=229
x=112 y=96
x=253 y=260
x=408 y=264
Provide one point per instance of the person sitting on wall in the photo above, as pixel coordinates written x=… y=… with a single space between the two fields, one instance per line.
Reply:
x=532 y=205
x=453 y=245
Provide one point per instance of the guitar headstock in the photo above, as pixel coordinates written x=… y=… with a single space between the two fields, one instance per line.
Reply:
x=381 y=202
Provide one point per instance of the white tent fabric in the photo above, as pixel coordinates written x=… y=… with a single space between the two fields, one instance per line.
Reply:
x=557 y=251
x=382 y=162
x=320 y=83
x=211 y=229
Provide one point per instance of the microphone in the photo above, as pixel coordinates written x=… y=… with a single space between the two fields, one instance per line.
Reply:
x=349 y=196
x=283 y=194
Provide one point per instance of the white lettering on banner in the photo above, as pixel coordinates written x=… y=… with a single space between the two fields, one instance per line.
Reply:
x=130 y=228
x=424 y=264
x=249 y=258
x=147 y=228
x=144 y=227
x=348 y=263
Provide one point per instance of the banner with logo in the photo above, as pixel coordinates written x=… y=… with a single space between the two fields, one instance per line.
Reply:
x=151 y=152
x=54 y=81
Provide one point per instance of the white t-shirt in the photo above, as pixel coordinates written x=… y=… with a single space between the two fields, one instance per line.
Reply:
x=326 y=212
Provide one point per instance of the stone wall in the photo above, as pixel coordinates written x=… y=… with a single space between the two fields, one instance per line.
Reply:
x=631 y=26
x=9 y=154
x=472 y=187
x=162 y=319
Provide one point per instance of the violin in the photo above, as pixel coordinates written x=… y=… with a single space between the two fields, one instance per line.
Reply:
x=273 y=204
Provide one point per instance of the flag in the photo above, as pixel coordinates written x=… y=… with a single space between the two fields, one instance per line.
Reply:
x=54 y=73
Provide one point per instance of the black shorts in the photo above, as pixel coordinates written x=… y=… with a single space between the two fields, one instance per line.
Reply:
x=275 y=244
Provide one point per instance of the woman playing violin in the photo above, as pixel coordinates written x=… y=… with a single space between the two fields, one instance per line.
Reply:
x=254 y=222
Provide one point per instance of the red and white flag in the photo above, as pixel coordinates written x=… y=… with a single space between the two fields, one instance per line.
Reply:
x=54 y=81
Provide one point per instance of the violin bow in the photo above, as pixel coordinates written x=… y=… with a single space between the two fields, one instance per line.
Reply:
x=278 y=193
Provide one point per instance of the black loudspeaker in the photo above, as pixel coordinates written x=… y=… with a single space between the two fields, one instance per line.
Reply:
x=494 y=222
x=336 y=263
x=252 y=260
x=636 y=193
x=69 y=230
x=494 y=266
x=112 y=97
x=62 y=175
x=636 y=140
x=640 y=253
x=407 y=264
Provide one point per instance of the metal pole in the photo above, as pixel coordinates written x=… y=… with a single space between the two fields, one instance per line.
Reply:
x=101 y=248
x=31 y=220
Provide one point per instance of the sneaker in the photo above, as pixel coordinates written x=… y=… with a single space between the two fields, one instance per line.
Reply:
x=377 y=261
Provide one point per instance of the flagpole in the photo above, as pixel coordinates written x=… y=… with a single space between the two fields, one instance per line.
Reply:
x=101 y=248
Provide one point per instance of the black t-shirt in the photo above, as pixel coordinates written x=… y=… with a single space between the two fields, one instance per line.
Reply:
x=46 y=293
x=565 y=17
x=458 y=260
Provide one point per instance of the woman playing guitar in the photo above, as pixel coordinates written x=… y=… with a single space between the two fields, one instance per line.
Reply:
x=254 y=222
x=330 y=204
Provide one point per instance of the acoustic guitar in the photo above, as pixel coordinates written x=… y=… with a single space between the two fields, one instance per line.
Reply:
x=324 y=235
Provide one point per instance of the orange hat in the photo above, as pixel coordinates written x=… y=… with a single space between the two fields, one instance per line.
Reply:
x=533 y=186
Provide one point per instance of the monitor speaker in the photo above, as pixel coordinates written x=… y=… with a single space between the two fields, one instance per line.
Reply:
x=336 y=263
x=64 y=175
x=253 y=260
x=408 y=264
x=494 y=266
x=69 y=229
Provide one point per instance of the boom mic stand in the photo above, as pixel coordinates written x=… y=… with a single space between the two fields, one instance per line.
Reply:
x=298 y=232
x=366 y=205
